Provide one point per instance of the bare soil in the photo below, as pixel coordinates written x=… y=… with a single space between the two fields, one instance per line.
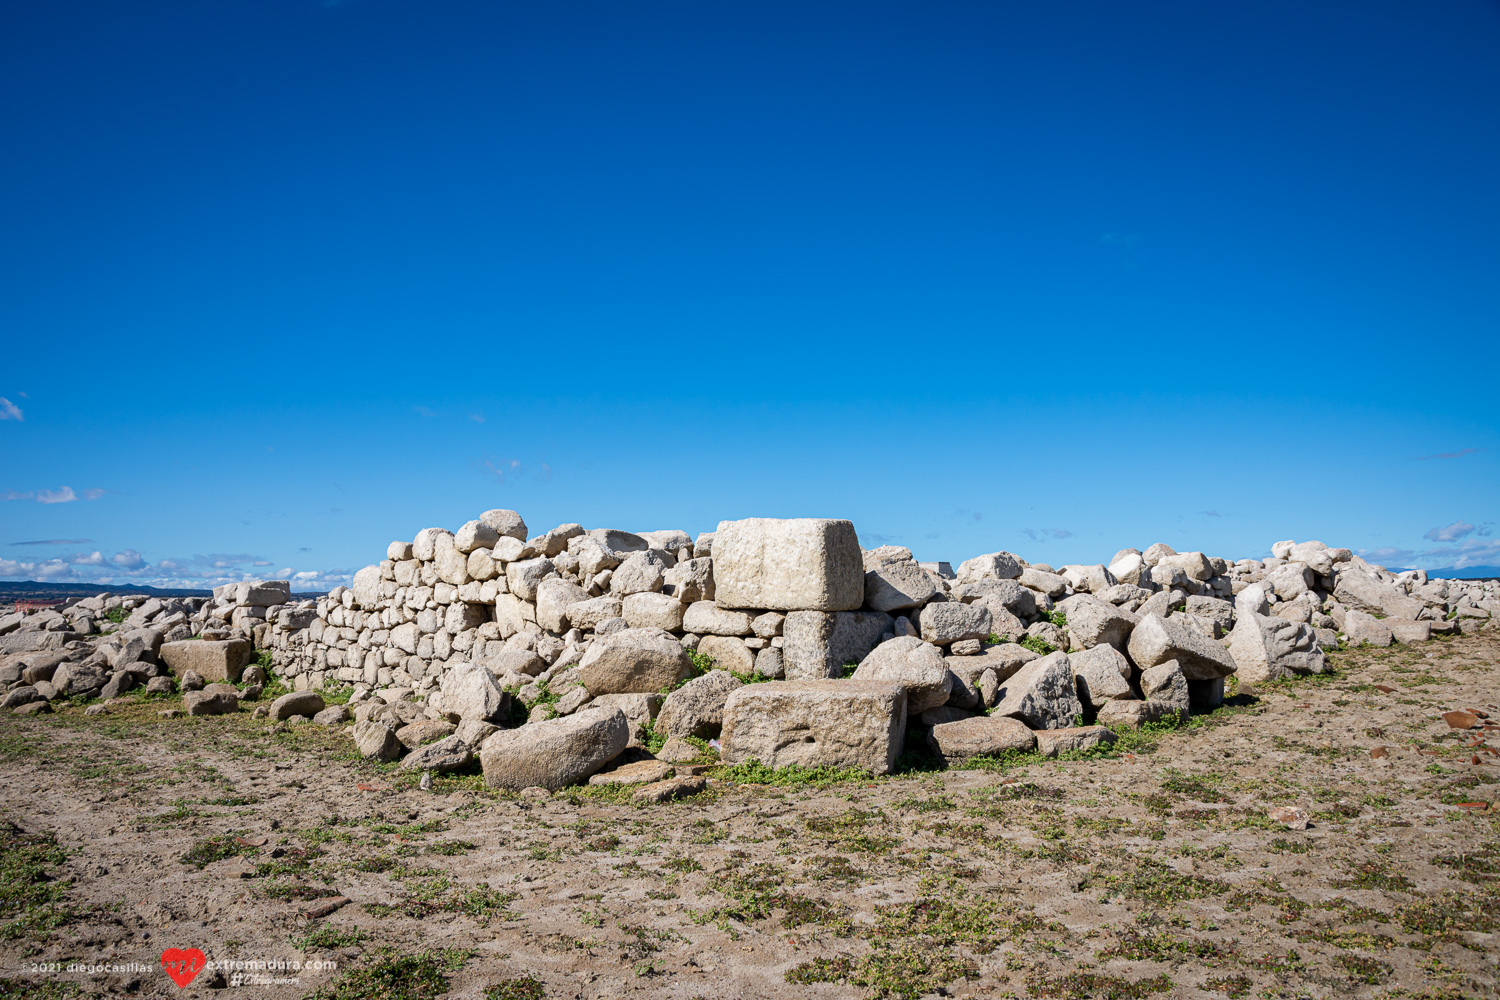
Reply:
x=1154 y=870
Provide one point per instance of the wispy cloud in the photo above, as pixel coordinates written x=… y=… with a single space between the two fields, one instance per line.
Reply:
x=64 y=495
x=423 y=411
x=477 y=418
x=1450 y=454
x=127 y=559
x=1212 y=513
x=10 y=411
x=1042 y=534
x=1450 y=533
x=57 y=541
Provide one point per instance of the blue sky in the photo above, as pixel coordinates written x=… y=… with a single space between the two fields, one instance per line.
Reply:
x=285 y=279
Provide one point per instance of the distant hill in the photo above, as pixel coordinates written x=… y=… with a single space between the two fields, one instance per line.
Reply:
x=31 y=590
x=1467 y=573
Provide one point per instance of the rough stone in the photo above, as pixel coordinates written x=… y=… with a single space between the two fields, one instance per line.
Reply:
x=697 y=708
x=916 y=665
x=1156 y=640
x=1101 y=675
x=377 y=741
x=728 y=653
x=946 y=622
x=1364 y=628
x=797 y=564
x=818 y=644
x=469 y=691
x=1266 y=648
x=1042 y=693
x=556 y=753
x=206 y=703
x=707 y=618
x=1094 y=622
x=894 y=581
x=991 y=566
x=662 y=611
x=980 y=736
x=222 y=660
x=443 y=757
x=1164 y=684
x=1051 y=742
x=858 y=724
x=308 y=703
x=634 y=660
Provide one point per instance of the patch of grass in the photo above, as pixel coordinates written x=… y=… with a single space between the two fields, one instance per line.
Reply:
x=1235 y=986
x=31 y=900
x=1373 y=875
x=523 y=988
x=1198 y=787
x=904 y=972
x=1038 y=645
x=394 y=976
x=329 y=937
x=48 y=989
x=1364 y=970
x=216 y=848
x=1096 y=986
x=1150 y=880
x=755 y=773
x=116 y=615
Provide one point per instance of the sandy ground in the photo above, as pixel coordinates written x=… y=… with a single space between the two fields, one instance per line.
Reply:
x=1153 y=872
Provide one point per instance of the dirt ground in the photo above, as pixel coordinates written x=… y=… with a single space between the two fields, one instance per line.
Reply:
x=1153 y=870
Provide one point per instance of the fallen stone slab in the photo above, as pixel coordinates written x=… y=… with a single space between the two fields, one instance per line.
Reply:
x=443 y=757
x=795 y=564
x=635 y=773
x=1362 y=628
x=1100 y=675
x=672 y=788
x=214 y=660
x=1267 y=648
x=1043 y=693
x=555 y=753
x=1051 y=742
x=1132 y=714
x=1156 y=640
x=895 y=581
x=377 y=741
x=308 y=703
x=209 y=703
x=980 y=736
x=846 y=724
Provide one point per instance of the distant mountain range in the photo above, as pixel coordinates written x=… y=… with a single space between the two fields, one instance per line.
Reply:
x=32 y=590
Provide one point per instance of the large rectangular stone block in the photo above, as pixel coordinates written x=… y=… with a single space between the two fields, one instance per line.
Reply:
x=819 y=643
x=793 y=564
x=221 y=660
x=839 y=723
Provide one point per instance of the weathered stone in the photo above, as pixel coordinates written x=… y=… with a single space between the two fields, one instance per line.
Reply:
x=525 y=576
x=697 y=708
x=662 y=611
x=944 y=713
x=678 y=751
x=1267 y=649
x=593 y=612
x=222 y=660
x=509 y=524
x=945 y=622
x=415 y=734
x=1408 y=631
x=1132 y=714
x=377 y=741
x=1164 y=684
x=1051 y=742
x=1362 y=592
x=992 y=566
x=207 y=703
x=1009 y=594
x=367 y=587
x=515 y=661
x=707 y=618
x=916 y=665
x=769 y=663
x=691 y=580
x=634 y=660
x=22 y=695
x=1003 y=658
x=556 y=753
x=470 y=691
x=980 y=736
x=672 y=788
x=639 y=573
x=443 y=757
x=308 y=703
x=1362 y=628
x=839 y=723
x=1101 y=675
x=798 y=564
x=818 y=644
x=1094 y=622
x=728 y=653
x=637 y=772
x=1042 y=693
x=333 y=715
x=1156 y=640
x=553 y=600
x=640 y=708
x=894 y=581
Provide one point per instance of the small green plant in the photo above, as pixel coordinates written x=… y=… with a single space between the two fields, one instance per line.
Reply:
x=524 y=988
x=329 y=937
x=995 y=638
x=1038 y=645
x=393 y=976
x=118 y=615
x=702 y=662
x=1057 y=618
x=847 y=670
x=211 y=849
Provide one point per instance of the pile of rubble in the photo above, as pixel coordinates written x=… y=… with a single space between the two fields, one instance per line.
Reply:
x=545 y=657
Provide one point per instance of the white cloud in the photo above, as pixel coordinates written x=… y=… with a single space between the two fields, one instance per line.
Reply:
x=95 y=558
x=1450 y=533
x=128 y=559
x=10 y=411
x=64 y=495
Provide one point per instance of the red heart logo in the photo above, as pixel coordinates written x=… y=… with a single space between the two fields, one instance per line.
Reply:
x=183 y=966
